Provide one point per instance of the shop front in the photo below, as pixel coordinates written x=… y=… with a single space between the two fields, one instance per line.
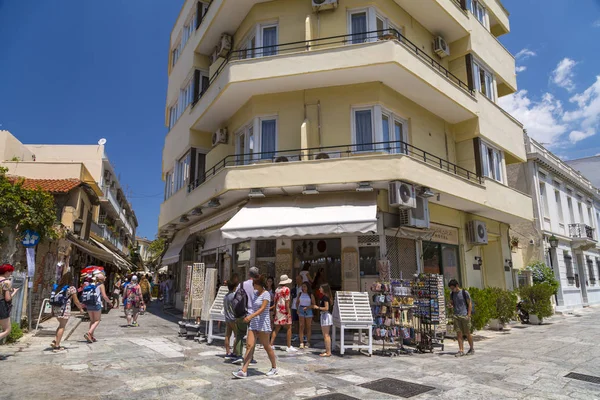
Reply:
x=441 y=253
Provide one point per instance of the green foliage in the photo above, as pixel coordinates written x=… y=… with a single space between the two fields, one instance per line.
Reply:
x=16 y=333
x=15 y=158
x=484 y=304
x=22 y=209
x=504 y=304
x=536 y=299
x=156 y=248
x=541 y=273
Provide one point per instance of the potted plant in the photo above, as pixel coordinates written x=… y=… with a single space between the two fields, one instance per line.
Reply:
x=483 y=304
x=514 y=243
x=504 y=304
x=536 y=301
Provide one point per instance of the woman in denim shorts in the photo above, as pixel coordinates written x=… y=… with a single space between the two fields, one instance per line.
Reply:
x=305 y=304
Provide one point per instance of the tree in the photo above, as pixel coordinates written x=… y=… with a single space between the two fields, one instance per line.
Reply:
x=541 y=273
x=156 y=249
x=22 y=209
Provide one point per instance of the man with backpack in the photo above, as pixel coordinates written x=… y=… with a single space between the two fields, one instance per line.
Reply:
x=242 y=307
x=460 y=300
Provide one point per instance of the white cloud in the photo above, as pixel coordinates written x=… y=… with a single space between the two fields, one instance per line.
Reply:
x=587 y=115
x=546 y=120
x=525 y=54
x=520 y=68
x=563 y=74
x=596 y=24
x=542 y=119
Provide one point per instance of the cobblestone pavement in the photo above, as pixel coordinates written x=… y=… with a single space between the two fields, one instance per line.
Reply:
x=151 y=362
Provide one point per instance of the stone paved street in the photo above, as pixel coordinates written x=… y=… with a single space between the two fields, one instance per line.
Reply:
x=151 y=362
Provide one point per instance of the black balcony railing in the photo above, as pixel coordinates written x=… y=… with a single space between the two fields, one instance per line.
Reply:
x=333 y=42
x=581 y=231
x=337 y=152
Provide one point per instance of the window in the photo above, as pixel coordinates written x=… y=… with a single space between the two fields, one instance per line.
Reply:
x=483 y=80
x=173 y=115
x=376 y=125
x=368 y=257
x=569 y=267
x=367 y=25
x=201 y=10
x=590 y=219
x=561 y=219
x=175 y=54
x=260 y=42
x=168 y=184
x=598 y=265
x=268 y=138
x=491 y=161
x=182 y=172
x=571 y=213
x=580 y=209
x=200 y=173
x=188 y=30
x=479 y=11
x=186 y=96
x=441 y=259
x=244 y=145
x=544 y=200
x=591 y=274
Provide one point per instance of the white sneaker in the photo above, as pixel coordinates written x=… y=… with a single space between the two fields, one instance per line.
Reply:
x=291 y=349
x=240 y=374
x=273 y=371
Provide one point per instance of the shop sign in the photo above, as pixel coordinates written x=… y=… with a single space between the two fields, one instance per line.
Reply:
x=444 y=234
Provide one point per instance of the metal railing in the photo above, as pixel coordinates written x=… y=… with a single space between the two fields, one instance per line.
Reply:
x=336 y=152
x=105 y=233
x=581 y=231
x=334 y=42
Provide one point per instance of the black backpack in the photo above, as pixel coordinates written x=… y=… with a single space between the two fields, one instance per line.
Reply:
x=239 y=304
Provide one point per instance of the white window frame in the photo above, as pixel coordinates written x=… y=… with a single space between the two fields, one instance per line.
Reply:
x=176 y=52
x=545 y=206
x=182 y=171
x=377 y=113
x=558 y=200
x=245 y=131
x=497 y=162
x=186 y=94
x=256 y=34
x=477 y=67
x=571 y=210
x=169 y=184
x=173 y=114
x=372 y=14
x=478 y=9
x=259 y=130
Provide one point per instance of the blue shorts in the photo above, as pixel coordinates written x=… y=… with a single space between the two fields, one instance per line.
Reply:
x=95 y=307
x=305 y=314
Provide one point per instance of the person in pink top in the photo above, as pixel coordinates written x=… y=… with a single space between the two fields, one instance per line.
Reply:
x=283 y=313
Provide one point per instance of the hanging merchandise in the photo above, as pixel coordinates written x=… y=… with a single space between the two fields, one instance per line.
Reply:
x=430 y=311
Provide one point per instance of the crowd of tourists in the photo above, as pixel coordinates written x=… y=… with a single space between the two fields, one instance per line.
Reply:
x=256 y=310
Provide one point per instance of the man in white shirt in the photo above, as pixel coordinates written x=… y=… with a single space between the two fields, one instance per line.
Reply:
x=242 y=327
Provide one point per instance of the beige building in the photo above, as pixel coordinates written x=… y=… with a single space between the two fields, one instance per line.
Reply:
x=339 y=133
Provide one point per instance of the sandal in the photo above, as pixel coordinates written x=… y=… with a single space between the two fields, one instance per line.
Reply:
x=53 y=344
x=324 y=355
x=59 y=349
x=88 y=338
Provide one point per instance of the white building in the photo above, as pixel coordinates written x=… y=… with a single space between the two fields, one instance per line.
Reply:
x=566 y=207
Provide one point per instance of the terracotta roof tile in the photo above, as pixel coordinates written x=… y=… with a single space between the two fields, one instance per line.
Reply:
x=49 y=185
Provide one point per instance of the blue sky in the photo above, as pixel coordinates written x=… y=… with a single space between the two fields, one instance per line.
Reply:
x=558 y=59
x=74 y=71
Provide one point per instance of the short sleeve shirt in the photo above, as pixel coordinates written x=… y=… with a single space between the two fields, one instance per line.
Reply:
x=282 y=296
x=261 y=322
x=460 y=307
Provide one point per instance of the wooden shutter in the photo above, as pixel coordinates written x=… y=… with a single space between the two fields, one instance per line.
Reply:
x=469 y=62
x=199 y=15
x=192 y=167
x=196 y=86
x=478 y=158
x=205 y=83
x=463 y=4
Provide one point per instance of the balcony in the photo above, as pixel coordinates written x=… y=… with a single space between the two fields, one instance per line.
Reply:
x=116 y=210
x=340 y=168
x=103 y=232
x=581 y=231
x=384 y=56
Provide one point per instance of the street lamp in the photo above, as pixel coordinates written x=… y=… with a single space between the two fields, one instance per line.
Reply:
x=553 y=241
x=77 y=226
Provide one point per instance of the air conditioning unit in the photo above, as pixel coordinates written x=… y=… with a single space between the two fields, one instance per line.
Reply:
x=225 y=45
x=219 y=137
x=402 y=195
x=477 y=232
x=417 y=217
x=441 y=47
x=321 y=5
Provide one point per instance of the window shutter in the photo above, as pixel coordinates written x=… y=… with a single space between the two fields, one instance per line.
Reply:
x=469 y=61
x=205 y=83
x=478 y=157
x=192 y=181
x=199 y=15
x=196 y=87
x=463 y=4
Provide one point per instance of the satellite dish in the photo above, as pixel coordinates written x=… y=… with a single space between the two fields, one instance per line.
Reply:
x=102 y=141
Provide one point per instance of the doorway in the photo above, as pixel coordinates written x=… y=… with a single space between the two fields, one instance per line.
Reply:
x=324 y=256
x=493 y=265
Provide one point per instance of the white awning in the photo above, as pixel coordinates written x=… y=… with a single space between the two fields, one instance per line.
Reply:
x=213 y=221
x=172 y=254
x=304 y=216
x=118 y=260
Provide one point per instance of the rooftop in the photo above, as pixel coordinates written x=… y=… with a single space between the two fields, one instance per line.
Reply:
x=54 y=186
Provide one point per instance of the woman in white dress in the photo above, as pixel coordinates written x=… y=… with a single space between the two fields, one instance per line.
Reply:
x=259 y=329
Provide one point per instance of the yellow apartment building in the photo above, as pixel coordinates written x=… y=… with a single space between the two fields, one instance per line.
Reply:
x=339 y=133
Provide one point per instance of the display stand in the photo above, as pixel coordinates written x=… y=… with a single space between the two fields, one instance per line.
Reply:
x=352 y=311
x=216 y=314
x=392 y=314
x=428 y=290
